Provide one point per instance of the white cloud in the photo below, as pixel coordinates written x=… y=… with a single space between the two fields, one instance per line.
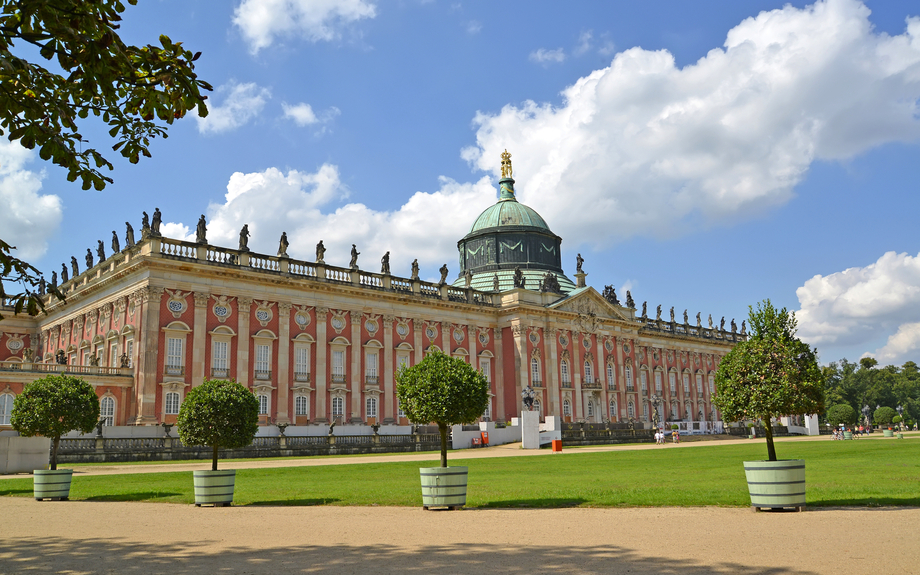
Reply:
x=177 y=231
x=262 y=21
x=310 y=207
x=303 y=115
x=544 y=56
x=242 y=103
x=659 y=150
x=473 y=27
x=584 y=43
x=858 y=305
x=27 y=218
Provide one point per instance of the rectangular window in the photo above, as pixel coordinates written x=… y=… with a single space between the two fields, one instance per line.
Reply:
x=402 y=361
x=699 y=384
x=611 y=382
x=73 y=359
x=672 y=381
x=589 y=372
x=262 y=357
x=338 y=363
x=6 y=408
x=86 y=356
x=686 y=383
x=399 y=410
x=175 y=359
x=643 y=376
x=564 y=372
x=113 y=355
x=629 y=379
x=129 y=349
x=535 y=371
x=370 y=366
x=301 y=405
x=487 y=414
x=712 y=385
x=301 y=363
x=658 y=381
x=107 y=410
x=263 y=404
x=172 y=403
x=219 y=364
x=485 y=366
x=338 y=407
x=370 y=406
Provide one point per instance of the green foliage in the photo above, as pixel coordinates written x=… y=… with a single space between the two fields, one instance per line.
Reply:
x=53 y=406
x=884 y=415
x=220 y=414
x=136 y=90
x=444 y=390
x=15 y=271
x=897 y=419
x=771 y=374
x=841 y=413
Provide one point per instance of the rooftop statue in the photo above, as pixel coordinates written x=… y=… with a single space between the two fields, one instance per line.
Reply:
x=74 y=267
x=710 y=321
x=155 y=222
x=610 y=294
x=353 y=264
x=89 y=259
x=100 y=251
x=415 y=269
x=145 y=225
x=506 y=164
x=41 y=285
x=468 y=278
x=283 y=245
x=698 y=322
x=129 y=236
x=518 y=278
x=495 y=284
x=444 y=273
x=201 y=231
x=631 y=303
x=578 y=262
x=63 y=273
x=645 y=309
x=320 y=252
x=551 y=284
x=244 y=238
x=385 y=264
x=53 y=280
x=686 y=320
x=658 y=313
x=743 y=328
x=734 y=326
x=116 y=246
x=672 y=314
x=722 y=324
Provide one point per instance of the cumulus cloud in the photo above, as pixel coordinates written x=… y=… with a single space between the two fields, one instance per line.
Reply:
x=27 y=217
x=860 y=304
x=660 y=150
x=302 y=114
x=311 y=207
x=544 y=56
x=584 y=42
x=262 y=21
x=241 y=103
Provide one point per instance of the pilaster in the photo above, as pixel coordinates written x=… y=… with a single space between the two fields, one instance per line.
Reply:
x=357 y=374
x=148 y=345
x=499 y=372
x=199 y=337
x=550 y=367
x=322 y=319
x=388 y=402
x=242 y=351
x=284 y=363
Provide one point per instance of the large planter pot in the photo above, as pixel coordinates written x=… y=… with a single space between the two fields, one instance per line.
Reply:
x=443 y=487
x=214 y=487
x=776 y=484
x=887 y=433
x=848 y=435
x=51 y=484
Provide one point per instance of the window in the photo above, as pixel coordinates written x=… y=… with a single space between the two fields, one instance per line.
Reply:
x=686 y=383
x=73 y=359
x=129 y=349
x=172 y=403
x=370 y=407
x=537 y=406
x=338 y=366
x=672 y=382
x=589 y=372
x=301 y=405
x=175 y=359
x=487 y=414
x=699 y=384
x=6 y=408
x=402 y=361
x=263 y=359
x=658 y=382
x=631 y=409
x=590 y=408
x=219 y=365
x=107 y=410
x=564 y=371
x=643 y=376
x=611 y=382
x=629 y=379
x=566 y=408
x=338 y=407
x=674 y=410
x=687 y=415
x=534 y=371
x=712 y=385
x=613 y=410
x=301 y=363
x=401 y=413
x=86 y=356
x=263 y=404
x=113 y=355
x=645 y=410
x=370 y=369
x=485 y=366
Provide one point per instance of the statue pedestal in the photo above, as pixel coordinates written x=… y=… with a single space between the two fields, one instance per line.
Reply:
x=530 y=429
x=580 y=279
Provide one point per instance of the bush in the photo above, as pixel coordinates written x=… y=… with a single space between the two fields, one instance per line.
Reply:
x=444 y=390
x=53 y=406
x=884 y=415
x=841 y=413
x=218 y=413
x=897 y=419
x=675 y=426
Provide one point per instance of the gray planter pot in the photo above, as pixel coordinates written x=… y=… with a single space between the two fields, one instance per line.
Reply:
x=214 y=487
x=776 y=484
x=53 y=485
x=443 y=487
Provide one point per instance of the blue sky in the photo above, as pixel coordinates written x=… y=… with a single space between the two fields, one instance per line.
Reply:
x=705 y=155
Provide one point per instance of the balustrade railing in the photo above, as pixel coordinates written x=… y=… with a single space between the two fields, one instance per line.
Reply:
x=71 y=369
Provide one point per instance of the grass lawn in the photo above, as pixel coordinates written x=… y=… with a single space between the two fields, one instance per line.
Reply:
x=865 y=473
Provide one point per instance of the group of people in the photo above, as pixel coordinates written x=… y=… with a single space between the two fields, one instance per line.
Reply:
x=660 y=437
x=856 y=431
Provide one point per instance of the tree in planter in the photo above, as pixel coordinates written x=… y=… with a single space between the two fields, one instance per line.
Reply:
x=884 y=415
x=841 y=413
x=218 y=413
x=444 y=390
x=771 y=374
x=53 y=406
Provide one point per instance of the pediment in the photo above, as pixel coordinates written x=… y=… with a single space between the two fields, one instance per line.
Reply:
x=591 y=308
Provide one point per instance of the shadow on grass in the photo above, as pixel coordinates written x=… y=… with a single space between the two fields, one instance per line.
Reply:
x=15 y=491
x=859 y=502
x=104 y=555
x=134 y=496
x=294 y=502
x=536 y=503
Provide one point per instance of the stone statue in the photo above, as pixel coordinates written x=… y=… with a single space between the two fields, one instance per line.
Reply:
x=414 y=269
x=630 y=302
x=385 y=264
x=672 y=314
x=578 y=263
x=244 y=238
x=201 y=231
x=495 y=284
x=444 y=273
x=28 y=354
x=283 y=245
x=74 y=267
x=658 y=313
x=686 y=320
x=116 y=247
x=551 y=284
x=332 y=425
x=60 y=358
x=468 y=278
x=155 y=222
x=145 y=226
x=710 y=321
x=320 y=252
x=89 y=259
x=610 y=294
x=743 y=328
x=506 y=164
x=722 y=324
x=100 y=251
x=64 y=277
x=518 y=278
x=354 y=257
x=699 y=323
x=53 y=280
x=94 y=360
x=123 y=360
x=129 y=235
x=41 y=285
x=644 y=309
x=734 y=326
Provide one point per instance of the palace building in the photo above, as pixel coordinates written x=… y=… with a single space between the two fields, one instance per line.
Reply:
x=316 y=342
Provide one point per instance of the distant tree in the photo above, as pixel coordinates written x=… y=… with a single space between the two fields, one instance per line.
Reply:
x=136 y=90
x=220 y=414
x=884 y=415
x=443 y=390
x=771 y=374
x=841 y=413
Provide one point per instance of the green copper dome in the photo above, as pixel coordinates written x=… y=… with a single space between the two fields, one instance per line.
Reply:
x=508 y=212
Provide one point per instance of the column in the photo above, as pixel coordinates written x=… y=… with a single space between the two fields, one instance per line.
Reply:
x=322 y=314
x=199 y=337
x=388 y=402
x=521 y=365
x=242 y=350
x=148 y=355
x=550 y=363
x=284 y=363
x=356 y=374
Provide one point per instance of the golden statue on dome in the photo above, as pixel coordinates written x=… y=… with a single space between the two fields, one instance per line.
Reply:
x=506 y=164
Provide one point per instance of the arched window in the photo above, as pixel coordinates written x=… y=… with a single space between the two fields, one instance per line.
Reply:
x=370 y=407
x=589 y=372
x=172 y=403
x=263 y=403
x=6 y=408
x=611 y=381
x=338 y=407
x=534 y=371
x=566 y=408
x=564 y=371
x=631 y=409
x=629 y=379
x=107 y=410
x=613 y=410
x=301 y=405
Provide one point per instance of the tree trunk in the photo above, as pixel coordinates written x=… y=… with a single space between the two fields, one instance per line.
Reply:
x=771 y=451
x=214 y=459
x=54 y=449
x=443 y=429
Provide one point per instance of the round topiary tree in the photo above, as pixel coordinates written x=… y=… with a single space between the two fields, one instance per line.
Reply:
x=444 y=390
x=884 y=415
x=220 y=414
x=771 y=374
x=53 y=406
x=841 y=413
